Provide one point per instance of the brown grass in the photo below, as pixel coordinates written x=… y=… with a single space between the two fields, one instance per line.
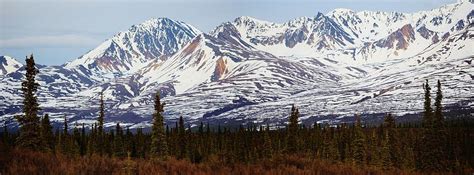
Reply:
x=28 y=162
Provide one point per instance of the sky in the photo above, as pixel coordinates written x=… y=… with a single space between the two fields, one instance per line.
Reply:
x=57 y=31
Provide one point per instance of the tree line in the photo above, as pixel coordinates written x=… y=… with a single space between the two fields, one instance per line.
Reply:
x=432 y=145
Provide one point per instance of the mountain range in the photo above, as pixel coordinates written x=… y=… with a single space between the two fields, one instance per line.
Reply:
x=331 y=66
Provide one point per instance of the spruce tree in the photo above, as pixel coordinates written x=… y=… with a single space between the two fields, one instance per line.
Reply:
x=438 y=120
x=100 y=120
x=83 y=146
x=47 y=132
x=66 y=127
x=428 y=111
x=159 y=147
x=118 y=142
x=358 y=144
x=439 y=132
x=99 y=142
x=424 y=152
x=30 y=132
x=63 y=143
x=292 y=144
x=439 y=126
x=393 y=141
x=431 y=151
x=267 y=143
x=181 y=139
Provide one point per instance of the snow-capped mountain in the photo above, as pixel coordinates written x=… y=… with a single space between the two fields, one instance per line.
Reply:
x=219 y=75
x=8 y=65
x=297 y=37
x=248 y=70
x=128 y=51
x=350 y=31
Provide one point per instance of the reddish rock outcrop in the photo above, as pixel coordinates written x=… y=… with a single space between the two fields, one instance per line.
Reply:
x=220 y=70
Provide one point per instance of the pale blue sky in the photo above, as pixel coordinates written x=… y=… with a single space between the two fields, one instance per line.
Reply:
x=59 y=31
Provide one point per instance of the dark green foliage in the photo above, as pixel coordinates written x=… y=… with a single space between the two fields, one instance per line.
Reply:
x=431 y=153
x=359 y=152
x=293 y=127
x=119 y=147
x=47 y=132
x=100 y=120
x=438 y=120
x=428 y=111
x=159 y=147
x=83 y=141
x=267 y=143
x=393 y=141
x=181 y=139
x=30 y=132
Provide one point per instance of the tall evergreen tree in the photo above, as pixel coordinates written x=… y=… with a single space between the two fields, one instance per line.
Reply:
x=159 y=147
x=438 y=120
x=118 y=142
x=100 y=120
x=181 y=138
x=267 y=143
x=100 y=135
x=428 y=111
x=432 y=156
x=393 y=141
x=30 y=132
x=83 y=146
x=292 y=144
x=65 y=128
x=63 y=143
x=358 y=144
x=47 y=132
x=440 y=130
x=424 y=148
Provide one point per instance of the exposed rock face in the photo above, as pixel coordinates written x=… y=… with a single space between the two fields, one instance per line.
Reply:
x=220 y=70
x=228 y=32
x=294 y=37
x=401 y=38
x=425 y=33
x=191 y=47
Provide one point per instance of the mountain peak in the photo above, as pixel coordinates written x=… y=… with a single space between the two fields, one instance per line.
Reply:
x=158 y=22
x=247 y=20
x=8 y=65
x=129 y=51
x=341 y=11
